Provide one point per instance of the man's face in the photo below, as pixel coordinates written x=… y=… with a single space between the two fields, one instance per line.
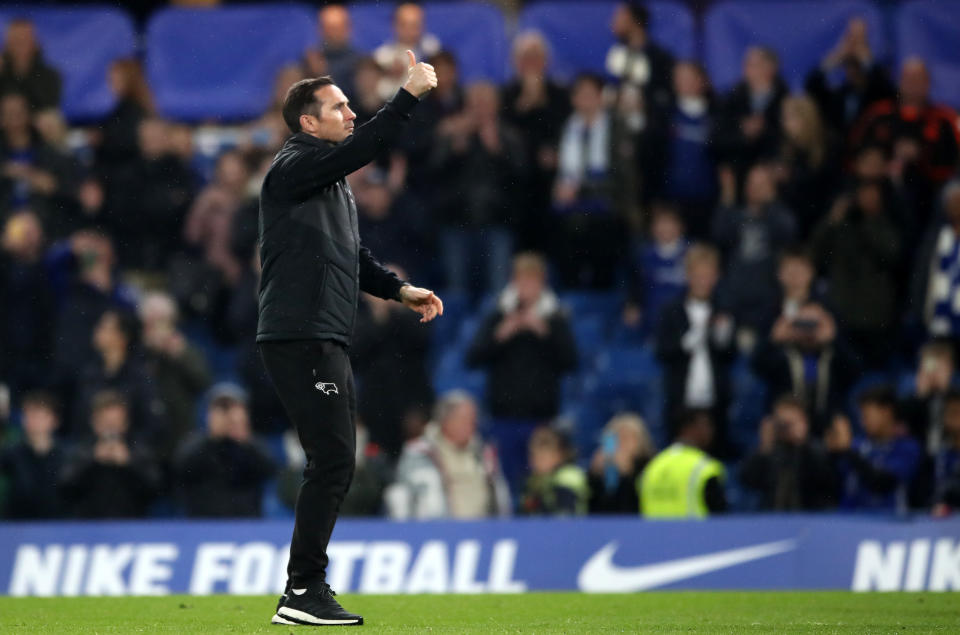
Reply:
x=877 y=420
x=461 y=424
x=107 y=334
x=408 y=24
x=587 y=100
x=759 y=188
x=110 y=422
x=21 y=42
x=14 y=113
x=792 y=424
x=914 y=82
x=796 y=274
x=702 y=278
x=39 y=419
x=335 y=26
x=529 y=286
x=758 y=69
x=335 y=122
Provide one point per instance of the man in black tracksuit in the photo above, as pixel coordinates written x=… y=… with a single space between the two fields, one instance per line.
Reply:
x=314 y=267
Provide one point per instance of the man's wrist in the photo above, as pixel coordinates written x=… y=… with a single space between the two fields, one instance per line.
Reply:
x=399 y=295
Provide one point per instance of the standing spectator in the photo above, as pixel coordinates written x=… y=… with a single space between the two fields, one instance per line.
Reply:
x=789 y=469
x=636 y=60
x=32 y=173
x=750 y=238
x=23 y=69
x=689 y=167
x=626 y=448
x=923 y=408
x=336 y=56
x=536 y=106
x=32 y=467
x=389 y=353
x=683 y=481
x=149 y=197
x=657 y=275
x=117 y=367
x=27 y=318
x=527 y=347
x=116 y=138
x=449 y=472
x=178 y=369
x=557 y=486
x=921 y=136
x=222 y=474
x=586 y=194
x=865 y=80
x=366 y=100
x=803 y=357
x=747 y=126
x=807 y=169
x=858 y=249
x=107 y=476
x=480 y=166
x=946 y=483
x=409 y=33
x=695 y=343
x=876 y=470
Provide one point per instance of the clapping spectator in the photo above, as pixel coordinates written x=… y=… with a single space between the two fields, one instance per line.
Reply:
x=747 y=126
x=923 y=408
x=32 y=466
x=107 y=476
x=625 y=449
x=223 y=473
x=23 y=69
x=178 y=369
x=449 y=472
x=789 y=469
x=116 y=138
x=480 y=165
x=857 y=248
x=750 y=237
x=636 y=60
x=876 y=470
x=865 y=80
x=526 y=346
x=695 y=344
x=557 y=486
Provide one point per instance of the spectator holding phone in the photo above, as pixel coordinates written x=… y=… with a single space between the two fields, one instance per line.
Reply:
x=626 y=448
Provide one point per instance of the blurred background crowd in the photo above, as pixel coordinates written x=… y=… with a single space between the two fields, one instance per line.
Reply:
x=640 y=272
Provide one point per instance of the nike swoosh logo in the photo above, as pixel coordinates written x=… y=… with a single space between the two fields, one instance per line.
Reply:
x=600 y=574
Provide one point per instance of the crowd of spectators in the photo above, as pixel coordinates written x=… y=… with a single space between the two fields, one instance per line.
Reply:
x=812 y=237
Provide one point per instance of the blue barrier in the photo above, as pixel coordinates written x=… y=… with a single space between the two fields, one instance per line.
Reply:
x=596 y=554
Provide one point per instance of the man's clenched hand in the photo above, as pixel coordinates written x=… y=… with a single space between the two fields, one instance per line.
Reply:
x=420 y=77
x=423 y=301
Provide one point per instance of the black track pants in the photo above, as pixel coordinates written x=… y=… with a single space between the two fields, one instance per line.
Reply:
x=315 y=384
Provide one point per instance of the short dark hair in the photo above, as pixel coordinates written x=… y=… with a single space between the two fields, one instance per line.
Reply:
x=443 y=56
x=689 y=417
x=128 y=324
x=588 y=78
x=789 y=400
x=796 y=252
x=41 y=399
x=882 y=396
x=639 y=13
x=107 y=399
x=301 y=99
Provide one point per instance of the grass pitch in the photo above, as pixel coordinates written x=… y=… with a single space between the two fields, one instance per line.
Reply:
x=658 y=612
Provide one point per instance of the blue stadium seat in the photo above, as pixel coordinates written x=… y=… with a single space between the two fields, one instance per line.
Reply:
x=81 y=43
x=589 y=332
x=451 y=373
x=931 y=29
x=747 y=406
x=475 y=32
x=801 y=32
x=221 y=63
x=605 y=304
x=579 y=32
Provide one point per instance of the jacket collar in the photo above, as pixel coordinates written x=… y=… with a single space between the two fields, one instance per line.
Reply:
x=303 y=137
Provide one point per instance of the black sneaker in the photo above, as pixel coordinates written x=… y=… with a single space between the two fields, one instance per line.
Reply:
x=276 y=619
x=314 y=607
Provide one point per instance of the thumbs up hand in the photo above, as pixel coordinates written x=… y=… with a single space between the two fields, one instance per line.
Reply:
x=420 y=77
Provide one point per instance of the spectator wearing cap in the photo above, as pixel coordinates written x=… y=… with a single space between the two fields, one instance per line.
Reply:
x=449 y=472
x=526 y=346
x=178 y=369
x=557 y=486
x=27 y=318
x=107 y=476
x=32 y=467
x=23 y=69
x=118 y=367
x=222 y=474
x=876 y=470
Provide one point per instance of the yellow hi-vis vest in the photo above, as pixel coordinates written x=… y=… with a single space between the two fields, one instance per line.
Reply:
x=672 y=484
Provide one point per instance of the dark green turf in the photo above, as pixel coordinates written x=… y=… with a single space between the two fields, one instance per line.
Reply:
x=663 y=612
